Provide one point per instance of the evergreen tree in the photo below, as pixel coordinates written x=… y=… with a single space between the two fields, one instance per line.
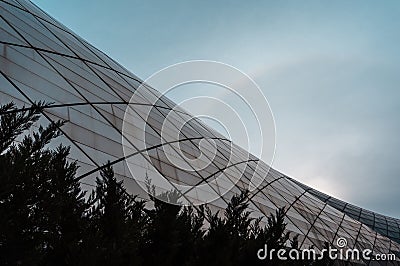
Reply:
x=46 y=219
x=17 y=204
x=235 y=238
x=274 y=234
x=117 y=223
x=225 y=241
x=64 y=210
x=174 y=233
x=41 y=204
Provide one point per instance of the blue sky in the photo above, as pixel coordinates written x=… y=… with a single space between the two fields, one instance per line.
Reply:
x=330 y=71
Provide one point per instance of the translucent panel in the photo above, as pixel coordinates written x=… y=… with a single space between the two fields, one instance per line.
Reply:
x=107 y=60
x=82 y=79
x=73 y=44
x=10 y=94
x=14 y=3
x=32 y=8
x=92 y=92
x=32 y=30
x=118 y=84
x=40 y=81
x=9 y=35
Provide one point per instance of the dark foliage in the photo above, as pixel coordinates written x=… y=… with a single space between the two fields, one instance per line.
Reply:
x=116 y=223
x=46 y=218
x=42 y=207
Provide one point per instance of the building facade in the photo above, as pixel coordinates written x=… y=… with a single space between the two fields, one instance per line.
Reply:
x=42 y=60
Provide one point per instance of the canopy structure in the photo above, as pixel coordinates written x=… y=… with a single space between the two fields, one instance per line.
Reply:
x=42 y=60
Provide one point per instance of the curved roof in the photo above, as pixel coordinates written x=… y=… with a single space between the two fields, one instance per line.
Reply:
x=42 y=60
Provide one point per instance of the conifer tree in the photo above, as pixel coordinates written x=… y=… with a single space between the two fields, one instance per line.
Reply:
x=224 y=243
x=118 y=221
x=174 y=232
x=41 y=203
x=46 y=218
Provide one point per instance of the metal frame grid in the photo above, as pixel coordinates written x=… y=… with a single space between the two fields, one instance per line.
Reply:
x=43 y=60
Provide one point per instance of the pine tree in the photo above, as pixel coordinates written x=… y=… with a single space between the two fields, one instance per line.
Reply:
x=225 y=240
x=174 y=232
x=64 y=209
x=235 y=238
x=117 y=223
x=41 y=204
x=46 y=219
x=19 y=181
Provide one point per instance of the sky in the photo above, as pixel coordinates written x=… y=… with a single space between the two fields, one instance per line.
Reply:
x=329 y=69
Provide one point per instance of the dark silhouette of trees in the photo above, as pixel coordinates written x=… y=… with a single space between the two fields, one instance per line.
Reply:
x=47 y=219
x=173 y=233
x=235 y=238
x=116 y=222
x=41 y=205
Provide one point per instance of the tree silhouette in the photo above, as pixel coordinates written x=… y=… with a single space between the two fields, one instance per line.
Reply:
x=47 y=219
x=174 y=233
x=235 y=238
x=117 y=223
x=41 y=204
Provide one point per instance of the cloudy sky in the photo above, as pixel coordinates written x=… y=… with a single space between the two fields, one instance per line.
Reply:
x=330 y=71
